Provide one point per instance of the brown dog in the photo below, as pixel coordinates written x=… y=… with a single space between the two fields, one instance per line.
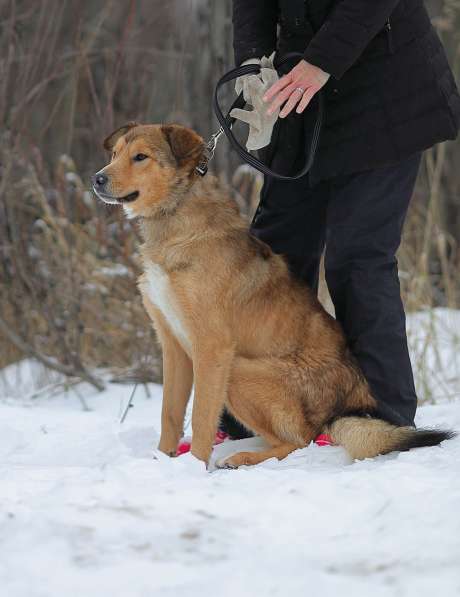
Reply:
x=230 y=317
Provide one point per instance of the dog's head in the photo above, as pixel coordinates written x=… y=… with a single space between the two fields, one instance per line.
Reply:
x=150 y=168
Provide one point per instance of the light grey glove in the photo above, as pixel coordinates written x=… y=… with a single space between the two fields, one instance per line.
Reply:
x=254 y=88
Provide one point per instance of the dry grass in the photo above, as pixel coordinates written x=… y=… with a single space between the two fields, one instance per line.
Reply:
x=70 y=276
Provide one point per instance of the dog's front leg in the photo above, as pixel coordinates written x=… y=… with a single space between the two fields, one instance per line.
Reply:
x=211 y=367
x=177 y=383
x=177 y=386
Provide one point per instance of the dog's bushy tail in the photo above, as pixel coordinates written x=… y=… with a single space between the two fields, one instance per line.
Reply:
x=366 y=437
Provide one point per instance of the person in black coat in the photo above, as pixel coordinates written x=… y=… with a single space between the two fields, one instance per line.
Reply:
x=389 y=94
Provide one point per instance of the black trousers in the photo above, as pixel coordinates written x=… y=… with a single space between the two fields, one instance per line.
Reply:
x=358 y=220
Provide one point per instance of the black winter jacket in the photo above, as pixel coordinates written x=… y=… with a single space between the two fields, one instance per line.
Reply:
x=391 y=91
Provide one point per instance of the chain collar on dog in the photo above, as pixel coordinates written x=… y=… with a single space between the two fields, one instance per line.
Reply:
x=208 y=154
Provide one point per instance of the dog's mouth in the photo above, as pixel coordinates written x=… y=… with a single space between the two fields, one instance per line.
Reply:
x=116 y=200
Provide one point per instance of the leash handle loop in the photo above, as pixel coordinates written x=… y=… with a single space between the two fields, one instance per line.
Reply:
x=226 y=123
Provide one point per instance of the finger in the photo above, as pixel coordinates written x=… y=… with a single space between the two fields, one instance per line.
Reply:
x=306 y=99
x=279 y=100
x=278 y=86
x=293 y=100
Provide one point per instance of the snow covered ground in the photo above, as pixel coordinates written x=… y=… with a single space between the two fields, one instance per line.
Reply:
x=88 y=507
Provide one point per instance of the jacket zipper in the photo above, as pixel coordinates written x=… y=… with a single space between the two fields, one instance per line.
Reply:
x=389 y=37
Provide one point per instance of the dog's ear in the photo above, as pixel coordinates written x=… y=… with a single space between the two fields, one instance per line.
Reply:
x=186 y=146
x=110 y=141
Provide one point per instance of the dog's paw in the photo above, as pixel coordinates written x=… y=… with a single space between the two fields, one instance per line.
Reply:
x=223 y=463
x=170 y=453
x=237 y=460
x=201 y=454
x=168 y=449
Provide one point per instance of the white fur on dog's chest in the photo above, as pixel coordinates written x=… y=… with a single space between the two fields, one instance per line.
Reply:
x=159 y=291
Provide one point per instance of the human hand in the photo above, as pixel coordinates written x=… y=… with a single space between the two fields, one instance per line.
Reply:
x=297 y=88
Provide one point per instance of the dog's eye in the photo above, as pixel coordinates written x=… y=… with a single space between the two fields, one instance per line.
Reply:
x=139 y=157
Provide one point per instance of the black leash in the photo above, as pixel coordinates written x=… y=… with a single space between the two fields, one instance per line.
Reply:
x=226 y=123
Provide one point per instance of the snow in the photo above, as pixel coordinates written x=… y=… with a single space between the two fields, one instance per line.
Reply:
x=89 y=507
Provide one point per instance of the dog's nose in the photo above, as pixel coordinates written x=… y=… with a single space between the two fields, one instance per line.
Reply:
x=100 y=180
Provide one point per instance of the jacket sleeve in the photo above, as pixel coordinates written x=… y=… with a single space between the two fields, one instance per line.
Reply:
x=254 y=28
x=345 y=34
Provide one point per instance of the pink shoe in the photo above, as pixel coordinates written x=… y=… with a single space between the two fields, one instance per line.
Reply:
x=184 y=445
x=324 y=440
x=221 y=436
x=186 y=442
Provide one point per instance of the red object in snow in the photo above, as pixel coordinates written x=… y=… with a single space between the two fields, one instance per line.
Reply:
x=183 y=446
x=221 y=436
x=323 y=439
x=186 y=442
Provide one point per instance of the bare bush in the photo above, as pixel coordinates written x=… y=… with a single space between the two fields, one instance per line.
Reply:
x=70 y=276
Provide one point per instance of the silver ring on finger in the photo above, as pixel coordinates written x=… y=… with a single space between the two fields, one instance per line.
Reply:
x=301 y=90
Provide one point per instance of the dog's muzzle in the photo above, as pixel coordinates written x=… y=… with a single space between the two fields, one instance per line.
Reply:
x=99 y=182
